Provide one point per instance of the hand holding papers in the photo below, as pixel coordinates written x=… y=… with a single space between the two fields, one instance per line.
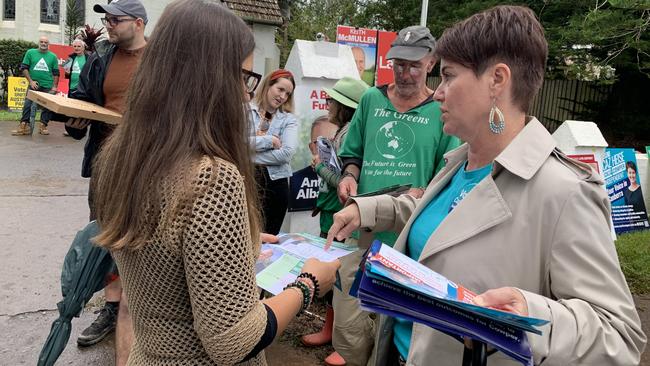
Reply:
x=327 y=154
x=391 y=283
x=280 y=264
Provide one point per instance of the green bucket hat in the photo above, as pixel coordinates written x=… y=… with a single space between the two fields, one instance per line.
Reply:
x=347 y=91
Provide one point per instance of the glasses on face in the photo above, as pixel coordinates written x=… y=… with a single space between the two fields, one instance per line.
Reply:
x=414 y=70
x=251 y=80
x=114 y=21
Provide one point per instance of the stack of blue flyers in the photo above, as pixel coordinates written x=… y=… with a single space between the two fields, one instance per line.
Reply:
x=393 y=284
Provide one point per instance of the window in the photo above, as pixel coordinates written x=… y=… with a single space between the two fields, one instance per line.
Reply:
x=50 y=11
x=9 y=11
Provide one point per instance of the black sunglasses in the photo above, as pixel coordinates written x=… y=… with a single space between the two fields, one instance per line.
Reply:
x=251 y=80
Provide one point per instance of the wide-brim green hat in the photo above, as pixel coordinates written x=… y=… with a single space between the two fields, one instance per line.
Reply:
x=347 y=91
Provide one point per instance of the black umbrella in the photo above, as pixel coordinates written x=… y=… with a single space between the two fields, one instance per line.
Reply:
x=85 y=270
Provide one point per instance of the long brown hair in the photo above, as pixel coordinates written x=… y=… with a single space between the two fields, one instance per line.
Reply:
x=186 y=101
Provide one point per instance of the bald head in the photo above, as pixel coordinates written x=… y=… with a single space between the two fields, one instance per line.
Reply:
x=359 y=59
x=43 y=44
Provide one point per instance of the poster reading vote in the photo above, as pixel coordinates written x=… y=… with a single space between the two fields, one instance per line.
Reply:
x=624 y=190
x=364 y=49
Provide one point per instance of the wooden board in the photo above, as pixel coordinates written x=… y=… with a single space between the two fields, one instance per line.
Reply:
x=74 y=107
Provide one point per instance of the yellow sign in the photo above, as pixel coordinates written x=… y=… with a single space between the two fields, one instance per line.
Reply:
x=16 y=94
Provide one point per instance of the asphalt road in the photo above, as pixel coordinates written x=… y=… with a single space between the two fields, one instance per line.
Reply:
x=42 y=205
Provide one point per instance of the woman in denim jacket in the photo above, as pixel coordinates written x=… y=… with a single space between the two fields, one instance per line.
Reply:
x=276 y=138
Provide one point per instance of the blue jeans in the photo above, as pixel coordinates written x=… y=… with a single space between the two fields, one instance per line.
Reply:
x=27 y=108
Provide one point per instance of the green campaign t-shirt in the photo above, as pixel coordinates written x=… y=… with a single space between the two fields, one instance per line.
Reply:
x=75 y=71
x=41 y=65
x=394 y=147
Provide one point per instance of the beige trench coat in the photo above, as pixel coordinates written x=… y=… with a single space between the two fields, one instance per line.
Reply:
x=539 y=222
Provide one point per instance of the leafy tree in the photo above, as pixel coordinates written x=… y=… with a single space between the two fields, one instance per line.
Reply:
x=74 y=19
x=11 y=55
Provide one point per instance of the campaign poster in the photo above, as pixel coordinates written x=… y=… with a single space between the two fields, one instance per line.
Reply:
x=303 y=190
x=17 y=90
x=62 y=52
x=624 y=190
x=588 y=159
x=363 y=42
x=384 y=67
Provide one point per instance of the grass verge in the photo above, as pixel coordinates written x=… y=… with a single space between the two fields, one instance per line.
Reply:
x=634 y=255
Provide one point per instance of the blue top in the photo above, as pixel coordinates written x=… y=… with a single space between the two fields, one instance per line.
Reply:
x=284 y=125
x=426 y=223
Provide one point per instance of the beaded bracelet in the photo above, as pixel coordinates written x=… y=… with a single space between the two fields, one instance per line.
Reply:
x=314 y=280
x=306 y=294
x=310 y=284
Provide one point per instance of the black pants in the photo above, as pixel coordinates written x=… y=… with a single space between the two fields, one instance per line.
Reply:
x=274 y=196
x=27 y=109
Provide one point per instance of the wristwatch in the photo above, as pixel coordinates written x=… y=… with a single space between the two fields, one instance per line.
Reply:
x=349 y=174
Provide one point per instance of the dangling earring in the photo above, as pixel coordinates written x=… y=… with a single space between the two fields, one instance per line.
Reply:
x=499 y=125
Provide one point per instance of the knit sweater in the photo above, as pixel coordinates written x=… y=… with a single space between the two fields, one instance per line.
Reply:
x=191 y=288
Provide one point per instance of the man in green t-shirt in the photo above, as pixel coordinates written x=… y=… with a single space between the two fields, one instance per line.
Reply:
x=41 y=68
x=395 y=137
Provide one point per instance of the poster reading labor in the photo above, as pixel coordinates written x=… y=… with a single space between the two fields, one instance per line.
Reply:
x=622 y=182
x=16 y=92
x=363 y=42
x=384 y=67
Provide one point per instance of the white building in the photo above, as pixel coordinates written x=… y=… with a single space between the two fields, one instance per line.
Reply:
x=29 y=19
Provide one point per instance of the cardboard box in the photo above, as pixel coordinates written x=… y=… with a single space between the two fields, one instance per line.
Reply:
x=74 y=107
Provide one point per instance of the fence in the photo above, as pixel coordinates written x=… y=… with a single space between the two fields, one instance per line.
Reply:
x=559 y=100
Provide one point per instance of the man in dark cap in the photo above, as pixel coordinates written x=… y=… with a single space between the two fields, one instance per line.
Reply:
x=104 y=81
x=395 y=137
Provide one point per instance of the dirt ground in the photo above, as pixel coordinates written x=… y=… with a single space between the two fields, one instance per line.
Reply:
x=289 y=351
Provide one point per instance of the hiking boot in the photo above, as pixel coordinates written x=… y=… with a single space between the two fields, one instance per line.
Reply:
x=42 y=129
x=23 y=130
x=100 y=328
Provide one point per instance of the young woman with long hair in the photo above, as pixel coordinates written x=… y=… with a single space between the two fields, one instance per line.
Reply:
x=177 y=203
x=275 y=139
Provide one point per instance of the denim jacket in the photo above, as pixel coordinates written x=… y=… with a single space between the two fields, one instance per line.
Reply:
x=284 y=126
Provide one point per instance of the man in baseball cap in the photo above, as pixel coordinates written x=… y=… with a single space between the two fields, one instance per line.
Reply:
x=412 y=56
x=132 y=8
x=396 y=127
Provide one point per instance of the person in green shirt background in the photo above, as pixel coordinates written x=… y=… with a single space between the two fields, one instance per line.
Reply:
x=342 y=101
x=41 y=68
x=75 y=63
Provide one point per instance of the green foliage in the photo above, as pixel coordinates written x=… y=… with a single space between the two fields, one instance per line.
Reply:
x=90 y=35
x=11 y=55
x=634 y=255
x=73 y=21
x=309 y=17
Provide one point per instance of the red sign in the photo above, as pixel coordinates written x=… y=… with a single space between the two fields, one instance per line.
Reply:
x=384 y=67
x=62 y=52
x=587 y=158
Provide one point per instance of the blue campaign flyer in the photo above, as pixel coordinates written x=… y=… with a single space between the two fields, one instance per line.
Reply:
x=624 y=190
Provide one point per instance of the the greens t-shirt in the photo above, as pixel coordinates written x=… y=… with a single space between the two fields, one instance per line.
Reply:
x=75 y=71
x=394 y=147
x=42 y=66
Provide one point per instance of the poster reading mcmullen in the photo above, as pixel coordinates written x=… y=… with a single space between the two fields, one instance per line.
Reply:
x=622 y=181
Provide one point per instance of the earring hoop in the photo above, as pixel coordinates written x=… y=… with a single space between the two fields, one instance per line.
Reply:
x=497 y=127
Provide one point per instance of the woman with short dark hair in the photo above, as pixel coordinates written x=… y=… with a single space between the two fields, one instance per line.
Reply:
x=510 y=216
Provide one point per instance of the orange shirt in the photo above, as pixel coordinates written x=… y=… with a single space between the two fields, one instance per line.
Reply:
x=119 y=74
